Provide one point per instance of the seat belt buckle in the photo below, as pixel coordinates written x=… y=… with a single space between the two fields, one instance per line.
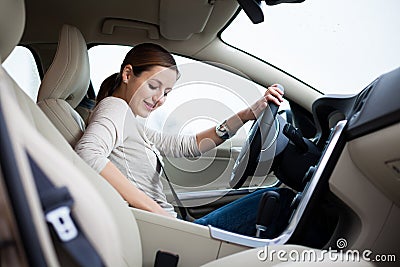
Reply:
x=166 y=259
x=62 y=223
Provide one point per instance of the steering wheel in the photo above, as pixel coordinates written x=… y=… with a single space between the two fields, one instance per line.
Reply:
x=258 y=148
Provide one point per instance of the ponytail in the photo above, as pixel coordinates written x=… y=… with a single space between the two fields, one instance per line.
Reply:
x=108 y=87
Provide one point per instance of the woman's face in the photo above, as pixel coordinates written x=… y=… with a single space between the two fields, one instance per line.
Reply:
x=149 y=90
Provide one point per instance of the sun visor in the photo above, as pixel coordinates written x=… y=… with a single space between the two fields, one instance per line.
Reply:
x=180 y=19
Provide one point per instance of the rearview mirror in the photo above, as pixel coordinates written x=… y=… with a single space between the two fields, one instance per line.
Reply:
x=253 y=9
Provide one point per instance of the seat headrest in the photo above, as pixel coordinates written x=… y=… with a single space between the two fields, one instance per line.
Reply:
x=12 y=23
x=68 y=76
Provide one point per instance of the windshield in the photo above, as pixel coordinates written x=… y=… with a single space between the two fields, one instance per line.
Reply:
x=335 y=46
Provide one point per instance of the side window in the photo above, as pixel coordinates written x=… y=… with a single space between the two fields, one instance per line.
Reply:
x=22 y=67
x=203 y=95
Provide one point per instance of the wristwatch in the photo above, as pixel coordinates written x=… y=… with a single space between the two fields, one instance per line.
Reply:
x=222 y=131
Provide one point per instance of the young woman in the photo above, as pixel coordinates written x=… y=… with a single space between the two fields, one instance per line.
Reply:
x=123 y=151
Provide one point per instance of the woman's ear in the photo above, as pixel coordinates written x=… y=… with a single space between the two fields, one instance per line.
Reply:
x=127 y=73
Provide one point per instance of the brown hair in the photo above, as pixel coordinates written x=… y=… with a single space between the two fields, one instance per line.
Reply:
x=142 y=57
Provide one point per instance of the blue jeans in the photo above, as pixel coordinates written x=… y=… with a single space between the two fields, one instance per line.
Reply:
x=240 y=215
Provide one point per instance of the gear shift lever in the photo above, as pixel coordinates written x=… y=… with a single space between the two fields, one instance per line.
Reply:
x=268 y=210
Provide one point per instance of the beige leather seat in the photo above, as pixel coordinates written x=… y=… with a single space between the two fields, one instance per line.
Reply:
x=102 y=213
x=65 y=84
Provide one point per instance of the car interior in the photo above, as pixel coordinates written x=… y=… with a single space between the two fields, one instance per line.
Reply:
x=340 y=154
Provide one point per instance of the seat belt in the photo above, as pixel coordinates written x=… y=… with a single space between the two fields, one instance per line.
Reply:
x=182 y=209
x=56 y=203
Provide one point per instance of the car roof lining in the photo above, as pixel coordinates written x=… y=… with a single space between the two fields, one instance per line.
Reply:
x=178 y=36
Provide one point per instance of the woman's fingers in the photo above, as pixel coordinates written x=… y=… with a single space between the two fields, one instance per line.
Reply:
x=277 y=87
x=275 y=92
x=273 y=99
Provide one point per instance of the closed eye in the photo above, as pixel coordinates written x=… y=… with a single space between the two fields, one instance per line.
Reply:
x=152 y=87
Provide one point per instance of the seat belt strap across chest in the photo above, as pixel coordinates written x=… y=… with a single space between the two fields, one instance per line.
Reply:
x=182 y=209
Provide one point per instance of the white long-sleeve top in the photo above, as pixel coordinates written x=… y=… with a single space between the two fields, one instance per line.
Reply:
x=115 y=134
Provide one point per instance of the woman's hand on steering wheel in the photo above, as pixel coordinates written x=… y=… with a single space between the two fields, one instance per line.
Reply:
x=264 y=110
x=272 y=94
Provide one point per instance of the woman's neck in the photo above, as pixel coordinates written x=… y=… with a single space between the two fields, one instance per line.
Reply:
x=120 y=93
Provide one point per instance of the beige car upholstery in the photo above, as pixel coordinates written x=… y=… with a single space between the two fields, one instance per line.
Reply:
x=10 y=32
x=364 y=180
x=102 y=213
x=65 y=84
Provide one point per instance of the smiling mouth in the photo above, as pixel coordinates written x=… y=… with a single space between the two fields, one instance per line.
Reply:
x=149 y=106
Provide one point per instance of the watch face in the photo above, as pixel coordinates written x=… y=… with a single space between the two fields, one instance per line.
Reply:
x=222 y=131
x=222 y=128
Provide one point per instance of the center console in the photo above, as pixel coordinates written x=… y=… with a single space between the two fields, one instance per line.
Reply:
x=302 y=201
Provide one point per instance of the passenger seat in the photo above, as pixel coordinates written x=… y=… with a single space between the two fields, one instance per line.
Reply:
x=102 y=213
x=65 y=84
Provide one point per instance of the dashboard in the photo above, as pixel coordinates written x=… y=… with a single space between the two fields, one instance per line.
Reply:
x=375 y=107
